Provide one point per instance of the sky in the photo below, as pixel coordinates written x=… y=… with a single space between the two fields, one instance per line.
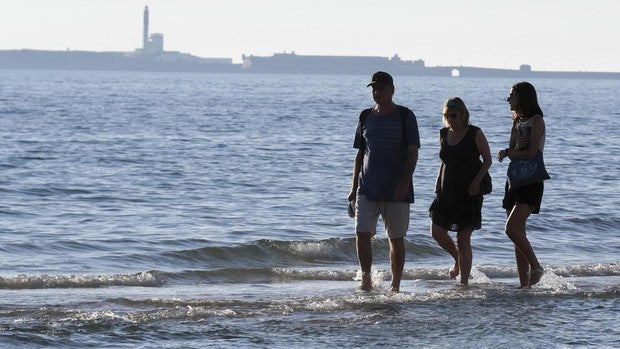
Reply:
x=561 y=35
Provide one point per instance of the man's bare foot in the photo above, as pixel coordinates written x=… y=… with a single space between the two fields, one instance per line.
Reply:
x=366 y=284
x=454 y=271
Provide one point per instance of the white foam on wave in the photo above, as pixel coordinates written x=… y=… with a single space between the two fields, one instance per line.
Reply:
x=555 y=283
x=23 y=281
x=594 y=269
x=479 y=277
x=381 y=274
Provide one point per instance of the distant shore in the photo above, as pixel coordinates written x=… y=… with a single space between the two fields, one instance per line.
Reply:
x=279 y=63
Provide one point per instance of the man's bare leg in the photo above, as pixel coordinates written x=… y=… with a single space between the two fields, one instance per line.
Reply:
x=397 y=261
x=364 y=255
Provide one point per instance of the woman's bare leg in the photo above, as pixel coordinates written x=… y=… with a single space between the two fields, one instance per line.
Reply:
x=445 y=241
x=525 y=256
x=463 y=239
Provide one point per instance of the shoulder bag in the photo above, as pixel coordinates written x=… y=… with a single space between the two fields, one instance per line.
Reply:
x=486 y=184
x=524 y=172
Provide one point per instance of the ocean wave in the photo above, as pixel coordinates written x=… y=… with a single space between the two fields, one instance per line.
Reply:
x=264 y=253
x=268 y=275
x=579 y=270
x=22 y=281
x=595 y=221
x=144 y=310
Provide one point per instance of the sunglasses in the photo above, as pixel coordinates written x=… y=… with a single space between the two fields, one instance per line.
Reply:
x=451 y=115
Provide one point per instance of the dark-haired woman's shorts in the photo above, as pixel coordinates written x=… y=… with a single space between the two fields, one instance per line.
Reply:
x=530 y=195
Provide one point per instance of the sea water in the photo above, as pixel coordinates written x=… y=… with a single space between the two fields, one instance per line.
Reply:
x=191 y=210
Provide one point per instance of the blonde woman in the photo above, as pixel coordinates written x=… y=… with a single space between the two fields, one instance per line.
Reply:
x=458 y=202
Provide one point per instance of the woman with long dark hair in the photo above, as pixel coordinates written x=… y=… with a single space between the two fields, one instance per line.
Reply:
x=527 y=138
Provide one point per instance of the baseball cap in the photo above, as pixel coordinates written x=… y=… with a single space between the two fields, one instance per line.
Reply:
x=381 y=77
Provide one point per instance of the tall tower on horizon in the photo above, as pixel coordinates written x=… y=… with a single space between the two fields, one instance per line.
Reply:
x=145 y=32
x=152 y=44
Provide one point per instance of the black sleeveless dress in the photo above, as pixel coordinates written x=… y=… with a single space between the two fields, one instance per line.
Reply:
x=453 y=208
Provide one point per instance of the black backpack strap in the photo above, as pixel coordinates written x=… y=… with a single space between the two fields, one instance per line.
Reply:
x=364 y=116
x=404 y=114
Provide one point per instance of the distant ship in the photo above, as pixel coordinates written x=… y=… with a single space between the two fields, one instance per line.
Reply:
x=152 y=57
x=292 y=63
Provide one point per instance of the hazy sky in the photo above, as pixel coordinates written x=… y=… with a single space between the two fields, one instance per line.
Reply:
x=547 y=34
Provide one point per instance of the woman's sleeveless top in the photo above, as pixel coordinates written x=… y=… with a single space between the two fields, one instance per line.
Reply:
x=461 y=162
x=525 y=128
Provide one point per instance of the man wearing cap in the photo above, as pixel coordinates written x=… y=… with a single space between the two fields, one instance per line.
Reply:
x=387 y=142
